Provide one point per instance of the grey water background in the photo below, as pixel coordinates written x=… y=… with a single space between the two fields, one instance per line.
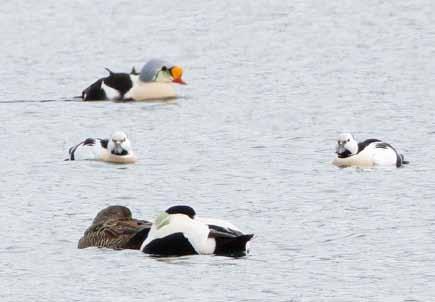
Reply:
x=250 y=140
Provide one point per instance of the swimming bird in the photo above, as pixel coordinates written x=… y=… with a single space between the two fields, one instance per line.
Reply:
x=153 y=82
x=178 y=232
x=117 y=149
x=114 y=228
x=367 y=153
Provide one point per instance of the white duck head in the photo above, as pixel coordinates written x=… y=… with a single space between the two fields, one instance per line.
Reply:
x=346 y=145
x=160 y=71
x=119 y=144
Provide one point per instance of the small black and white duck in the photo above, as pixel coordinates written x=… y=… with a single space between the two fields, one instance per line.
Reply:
x=117 y=149
x=368 y=153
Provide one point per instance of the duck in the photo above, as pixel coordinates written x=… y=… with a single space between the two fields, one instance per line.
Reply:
x=370 y=152
x=154 y=81
x=178 y=232
x=117 y=149
x=114 y=228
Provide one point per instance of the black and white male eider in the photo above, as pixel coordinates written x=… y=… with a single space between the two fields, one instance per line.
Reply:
x=365 y=154
x=153 y=82
x=178 y=232
x=117 y=149
x=115 y=228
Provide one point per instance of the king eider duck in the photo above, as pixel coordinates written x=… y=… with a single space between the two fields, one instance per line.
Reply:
x=153 y=82
x=177 y=232
x=365 y=154
x=114 y=228
x=117 y=149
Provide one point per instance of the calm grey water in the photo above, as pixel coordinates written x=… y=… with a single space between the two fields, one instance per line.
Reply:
x=271 y=84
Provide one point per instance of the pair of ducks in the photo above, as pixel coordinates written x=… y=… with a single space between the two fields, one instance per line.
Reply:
x=368 y=153
x=175 y=232
x=153 y=82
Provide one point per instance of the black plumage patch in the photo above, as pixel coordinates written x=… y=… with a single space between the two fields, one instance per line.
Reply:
x=72 y=151
x=89 y=142
x=404 y=162
x=364 y=144
x=173 y=245
x=221 y=230
x=124 y=152
x=383 y=146
x=104 y=143
x=133 y=71
x=344 y=154
x=94 y=92
x=232 y=246
x=120 y=82
x=137 y=240
x=180 y=209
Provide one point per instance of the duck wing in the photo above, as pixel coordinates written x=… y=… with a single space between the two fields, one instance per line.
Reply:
x=364 y=144
x=219 y=231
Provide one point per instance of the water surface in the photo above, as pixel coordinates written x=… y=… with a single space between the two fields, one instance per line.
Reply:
x=271 y=84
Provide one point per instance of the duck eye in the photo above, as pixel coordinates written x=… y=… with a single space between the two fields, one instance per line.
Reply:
x=164 y=68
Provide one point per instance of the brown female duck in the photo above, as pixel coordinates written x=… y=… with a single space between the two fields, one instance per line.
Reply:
x=114 y=228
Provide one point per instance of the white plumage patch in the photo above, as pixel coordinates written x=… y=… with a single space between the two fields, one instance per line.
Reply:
x=194 y=231
x=384 y=157
x=150 y=91
x=111 y=93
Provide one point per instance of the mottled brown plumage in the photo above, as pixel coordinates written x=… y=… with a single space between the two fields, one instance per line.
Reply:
x=114 y=228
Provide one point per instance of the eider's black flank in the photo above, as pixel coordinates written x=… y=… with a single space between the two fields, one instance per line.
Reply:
x=173 y=245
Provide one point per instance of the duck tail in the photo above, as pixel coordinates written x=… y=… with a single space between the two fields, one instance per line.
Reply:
x=235 y=246
x=404 y=162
